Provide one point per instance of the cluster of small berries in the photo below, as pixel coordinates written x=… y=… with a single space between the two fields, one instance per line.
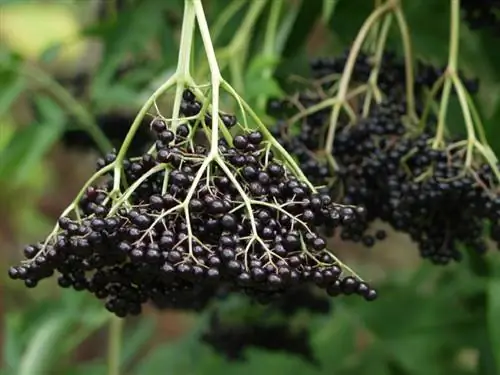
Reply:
x=392 y=78
x=482 y=14
x=400 y=178
x=232 y=339
x=184 y=229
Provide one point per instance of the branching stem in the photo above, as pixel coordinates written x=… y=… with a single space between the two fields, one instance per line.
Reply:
x=348 y=70
x=405 y=38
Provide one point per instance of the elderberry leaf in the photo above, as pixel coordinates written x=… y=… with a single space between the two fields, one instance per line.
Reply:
x=168 y=358
x=492 y=316
x=136 y=340
x=328 y=9
x=12 y=87
x=51 y=53
x=37 y=359
x=256 y=84
x=12 y=343
x=28 y=146
x=125 y=35
x=334 y=339
x=88 y=368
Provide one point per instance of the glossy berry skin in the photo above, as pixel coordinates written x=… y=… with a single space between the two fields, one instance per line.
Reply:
x=156 y=249
x=386 y=170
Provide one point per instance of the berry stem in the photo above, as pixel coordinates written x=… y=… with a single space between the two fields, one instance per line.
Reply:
x=450 y=80
x=235 y=48
x=405 y=38
x=469 y=124
x=477 y=119
x=327 y=103
x=214 y=72
x=114 y=345
x=379 y=53
x=184 y=61
x=348 y=69
x=74 y=205
x=126 y=195
x=133 y=129
x=269 y=137
x=454 y=37
x=443 y=111
x=200 y=96
x=270 y=45
x=430 y=100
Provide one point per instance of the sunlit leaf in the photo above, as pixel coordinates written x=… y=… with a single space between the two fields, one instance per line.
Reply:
x=38 y=358
x=27 y=147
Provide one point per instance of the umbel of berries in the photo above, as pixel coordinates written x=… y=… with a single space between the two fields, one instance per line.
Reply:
x=184 y=229
x=403 y=179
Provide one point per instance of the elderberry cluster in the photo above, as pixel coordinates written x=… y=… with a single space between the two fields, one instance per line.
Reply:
x=392 y=78
x=482 y=14
x=182 y=229
x=232 y=339
x=400 y=178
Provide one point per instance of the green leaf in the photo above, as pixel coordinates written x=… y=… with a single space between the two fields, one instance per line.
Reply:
x=493 y=317
x=487 y=362
x=51 y=53
x=12 y=342
x=38 y=358
x=11 y=88
x=257 y=85
x=328 y=8
x=333 y=339
x=28 y=146
x=87 y=369
x=136 y=340
x=127 y=35
x=168 y=359
x=117 y=96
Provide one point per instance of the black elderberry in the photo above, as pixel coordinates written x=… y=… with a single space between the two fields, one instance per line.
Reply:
x=240 y=142
x=182 y=131
x=179 y=245
x=255 y=137
x=228 y=120
x=228 y=221
x=159 y=125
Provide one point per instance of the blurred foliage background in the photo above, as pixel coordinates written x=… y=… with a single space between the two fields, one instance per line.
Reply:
x=67 y=65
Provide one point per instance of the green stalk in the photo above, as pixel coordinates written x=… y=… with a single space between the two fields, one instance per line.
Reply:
x=269 y=44
x=405 y=37
x=379 y=53
x=214 y=72
x=184 y=61
x=181 y=74
x=348 y=69
x=114 y=345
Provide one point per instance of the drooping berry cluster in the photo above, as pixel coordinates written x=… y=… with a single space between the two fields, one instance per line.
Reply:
x=482 y=14
x=232 y=339
x=424 y=191
x=392 y=77
x=183 y=229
